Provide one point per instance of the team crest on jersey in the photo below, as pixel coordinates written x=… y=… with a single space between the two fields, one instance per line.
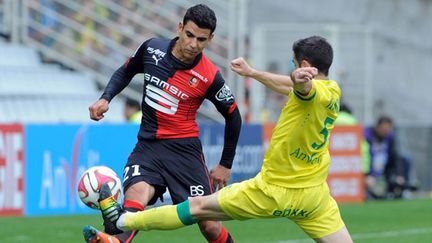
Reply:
x=224 y=94
x=193 y=82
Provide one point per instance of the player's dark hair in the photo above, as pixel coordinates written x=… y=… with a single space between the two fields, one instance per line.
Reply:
x=316 y=50
x=203 y=16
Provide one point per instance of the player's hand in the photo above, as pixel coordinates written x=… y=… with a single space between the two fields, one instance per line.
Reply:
x=98 y=109
x=220 y=176
x=303 y=75
x=240 y=66
x=301 y=78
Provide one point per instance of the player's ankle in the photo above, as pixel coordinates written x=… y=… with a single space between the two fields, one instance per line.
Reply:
x=120 y=224
x=107 y=203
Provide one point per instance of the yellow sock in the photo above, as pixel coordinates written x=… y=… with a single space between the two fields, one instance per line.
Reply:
x=160 y=218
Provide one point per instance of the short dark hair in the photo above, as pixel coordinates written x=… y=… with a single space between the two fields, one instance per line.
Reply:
x=203 y=16
x=316 y=50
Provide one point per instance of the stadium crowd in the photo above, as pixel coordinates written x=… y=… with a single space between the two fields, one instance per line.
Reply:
x=90 y=31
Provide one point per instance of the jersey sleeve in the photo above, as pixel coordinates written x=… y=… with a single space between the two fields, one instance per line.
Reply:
x=309 y=97
x=324 y=92
x=329 y=91
x=124 y=74
x=221 y=96
x=328 y=95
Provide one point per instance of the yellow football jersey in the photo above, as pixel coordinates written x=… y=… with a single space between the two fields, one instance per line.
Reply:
x=298 y=154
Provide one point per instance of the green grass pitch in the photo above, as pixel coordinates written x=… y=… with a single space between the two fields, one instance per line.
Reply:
x=383 y=221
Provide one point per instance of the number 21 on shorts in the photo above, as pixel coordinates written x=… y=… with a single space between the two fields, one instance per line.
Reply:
x=135 y=172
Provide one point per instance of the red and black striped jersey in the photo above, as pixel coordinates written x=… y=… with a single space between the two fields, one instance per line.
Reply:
x=173 y=90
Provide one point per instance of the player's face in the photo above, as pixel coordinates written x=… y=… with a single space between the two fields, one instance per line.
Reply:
x=192 y=41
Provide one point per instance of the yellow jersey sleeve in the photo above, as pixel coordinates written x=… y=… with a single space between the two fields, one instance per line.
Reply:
x=298 y=154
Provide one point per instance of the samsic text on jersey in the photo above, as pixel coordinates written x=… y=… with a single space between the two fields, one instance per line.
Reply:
x=173 y=90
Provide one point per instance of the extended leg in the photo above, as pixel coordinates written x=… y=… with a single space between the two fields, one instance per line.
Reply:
x=175 y=216
x=340 y=236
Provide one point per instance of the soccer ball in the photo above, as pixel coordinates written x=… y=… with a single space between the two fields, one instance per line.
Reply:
x=91 y=182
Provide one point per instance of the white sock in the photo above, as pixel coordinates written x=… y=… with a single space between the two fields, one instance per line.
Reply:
x=121 y=222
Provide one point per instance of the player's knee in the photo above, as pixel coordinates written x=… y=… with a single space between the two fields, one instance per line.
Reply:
x=210 y=229
x=196 y=205
x=135 y=196
x=140 y=192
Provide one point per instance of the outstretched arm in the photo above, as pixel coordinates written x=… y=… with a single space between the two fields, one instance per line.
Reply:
x=119 y=80
x=299 y=80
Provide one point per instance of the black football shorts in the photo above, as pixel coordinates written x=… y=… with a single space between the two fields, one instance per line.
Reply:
x=174 y=164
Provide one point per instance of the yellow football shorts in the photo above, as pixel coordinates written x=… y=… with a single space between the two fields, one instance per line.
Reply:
x=312 y=208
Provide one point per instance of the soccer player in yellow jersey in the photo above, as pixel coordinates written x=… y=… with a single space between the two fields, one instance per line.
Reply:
x=292 y=181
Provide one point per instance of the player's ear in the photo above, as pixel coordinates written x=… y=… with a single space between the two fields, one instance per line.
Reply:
x=305 y=63
x=211 y=37
x=180 y=27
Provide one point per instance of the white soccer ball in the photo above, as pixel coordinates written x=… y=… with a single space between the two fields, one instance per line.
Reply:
x=91 y=182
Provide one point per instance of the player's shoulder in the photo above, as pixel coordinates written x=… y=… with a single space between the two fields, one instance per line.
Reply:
x=156 y=40
x=153 y=42
x=328 y=84
x=158 y=43
x=153 y=47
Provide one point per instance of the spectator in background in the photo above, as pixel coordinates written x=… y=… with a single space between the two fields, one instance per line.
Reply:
x=133 y=111
x=347 y=118
x=49 y=21
x=385 y=178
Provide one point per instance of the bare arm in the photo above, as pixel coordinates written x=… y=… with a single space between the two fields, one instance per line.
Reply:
x=280 y=83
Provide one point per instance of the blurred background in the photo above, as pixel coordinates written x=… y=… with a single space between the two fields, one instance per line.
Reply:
x=56 y=56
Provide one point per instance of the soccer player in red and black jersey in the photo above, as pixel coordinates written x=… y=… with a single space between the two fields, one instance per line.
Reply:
x=168 y=154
